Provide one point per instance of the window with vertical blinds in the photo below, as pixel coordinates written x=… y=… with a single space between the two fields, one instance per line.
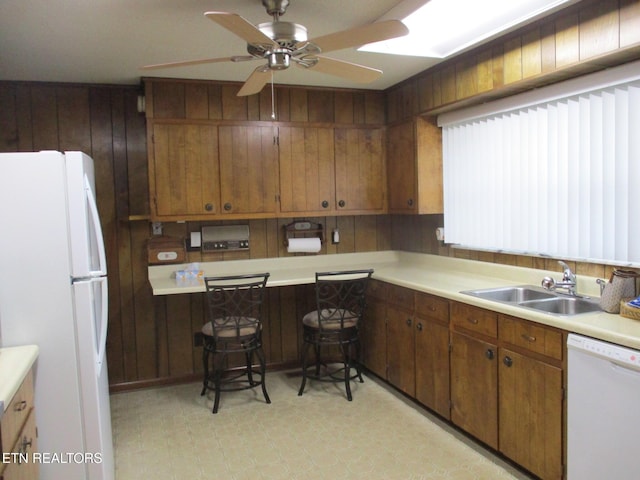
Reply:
x=554 y=171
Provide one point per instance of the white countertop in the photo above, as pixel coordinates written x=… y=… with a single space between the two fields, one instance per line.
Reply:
x=15 y=363
x=442 y=276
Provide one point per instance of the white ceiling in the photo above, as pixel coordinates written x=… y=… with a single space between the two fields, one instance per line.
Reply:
x=106 y=41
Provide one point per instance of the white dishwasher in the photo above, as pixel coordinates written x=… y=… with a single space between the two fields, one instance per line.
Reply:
x=603 y=410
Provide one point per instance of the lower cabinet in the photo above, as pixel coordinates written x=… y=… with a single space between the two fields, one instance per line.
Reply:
x=474 y=372
x=373 y=332
x=531 y=396
x=432 y=352
x=18 y=436
x=499 y=378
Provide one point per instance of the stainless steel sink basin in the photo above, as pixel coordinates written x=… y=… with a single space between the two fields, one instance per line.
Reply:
x=519 y=294
x=564 y=305
x=536 y=298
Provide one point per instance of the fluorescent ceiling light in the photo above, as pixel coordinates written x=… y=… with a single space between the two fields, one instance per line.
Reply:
x=440 y=28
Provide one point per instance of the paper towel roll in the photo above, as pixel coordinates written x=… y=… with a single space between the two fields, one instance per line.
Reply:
x=304 y=245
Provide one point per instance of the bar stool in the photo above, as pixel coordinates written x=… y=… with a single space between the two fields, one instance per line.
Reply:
x=340 y=303
x=234 y=307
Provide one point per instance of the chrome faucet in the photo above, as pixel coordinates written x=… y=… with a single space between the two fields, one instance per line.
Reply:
x=567 y=283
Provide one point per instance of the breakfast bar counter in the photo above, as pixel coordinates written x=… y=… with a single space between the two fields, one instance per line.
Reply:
x=442 y=276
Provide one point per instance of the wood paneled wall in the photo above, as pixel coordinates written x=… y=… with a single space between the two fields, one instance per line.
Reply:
x=588 y=36
x=202 y=100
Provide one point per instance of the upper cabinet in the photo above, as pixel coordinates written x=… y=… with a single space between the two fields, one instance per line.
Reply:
x=184 y=174
x=328 y=171
x=213 y=155
x=414 y=167
x=248 y=170
x=360 y=170
x=307 y=171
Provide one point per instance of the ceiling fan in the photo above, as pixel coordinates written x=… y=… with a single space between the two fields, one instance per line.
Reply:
x=282 y=43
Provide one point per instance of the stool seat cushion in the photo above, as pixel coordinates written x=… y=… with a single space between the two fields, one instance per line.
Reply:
x=232 y=327
x=331 y=319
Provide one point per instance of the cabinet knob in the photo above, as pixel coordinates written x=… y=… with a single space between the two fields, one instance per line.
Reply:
x=208 y=207
x=342 y=203
x=507 y=361
x=419 y=326
x=325 y=204
x=489 y=354
x=227 y=206
x=409 y=321
x=410 y=202
x=20 y=406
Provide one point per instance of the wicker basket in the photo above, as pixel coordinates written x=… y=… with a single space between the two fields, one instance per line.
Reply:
x=627 y=311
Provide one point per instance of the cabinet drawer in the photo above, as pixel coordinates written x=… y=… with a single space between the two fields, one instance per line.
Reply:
x=432 y=307
x=531 y=336
x=16 y=414
x=474 y=319
x=403 y=297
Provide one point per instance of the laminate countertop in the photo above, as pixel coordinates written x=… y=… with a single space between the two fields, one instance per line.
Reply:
x=15 y=363
x=442 y=276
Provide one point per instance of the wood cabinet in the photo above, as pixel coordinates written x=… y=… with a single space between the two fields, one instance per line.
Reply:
x=360 y=170
x=432 y=352
x=531 y=396
x=373 y=332
x=474 y=372
x=18 y=436
x=184 y=173
x=307 y=171
x=414 y=167
x=248 y=170
x=400 y=339
x=507 y=386
x=417 y=344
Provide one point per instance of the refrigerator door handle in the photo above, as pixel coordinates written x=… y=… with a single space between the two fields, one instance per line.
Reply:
x=104 y=321
x=97 y=228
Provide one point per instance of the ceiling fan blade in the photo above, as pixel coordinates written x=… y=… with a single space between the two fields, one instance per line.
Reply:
x=256 y=81
x=241 y=27
x=350 y=71
x=356 y=37
x=193 y=62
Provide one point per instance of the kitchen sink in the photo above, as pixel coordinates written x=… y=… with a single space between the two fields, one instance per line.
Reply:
x=536 y=298
x=512 y=294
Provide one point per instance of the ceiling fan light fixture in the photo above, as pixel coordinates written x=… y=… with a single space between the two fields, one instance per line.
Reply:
x=279 y=60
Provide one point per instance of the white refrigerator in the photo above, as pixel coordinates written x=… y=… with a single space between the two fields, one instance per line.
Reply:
x=53 y=293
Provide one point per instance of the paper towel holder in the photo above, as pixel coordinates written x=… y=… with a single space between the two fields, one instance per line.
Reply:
x=302 y=228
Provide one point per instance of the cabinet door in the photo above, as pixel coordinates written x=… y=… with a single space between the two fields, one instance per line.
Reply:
x=401 y=349
x=360 y=170
x=307 y=180
x=474 y=387
x=432 y=365
x=374 y=337
x=248 y=170
x=531 y=413
x=401 y=168
x=184 y=172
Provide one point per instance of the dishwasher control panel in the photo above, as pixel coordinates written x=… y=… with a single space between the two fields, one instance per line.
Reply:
x=610 y=351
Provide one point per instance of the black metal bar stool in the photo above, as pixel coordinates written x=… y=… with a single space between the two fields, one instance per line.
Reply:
x=235 y=307
x=340 y=303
